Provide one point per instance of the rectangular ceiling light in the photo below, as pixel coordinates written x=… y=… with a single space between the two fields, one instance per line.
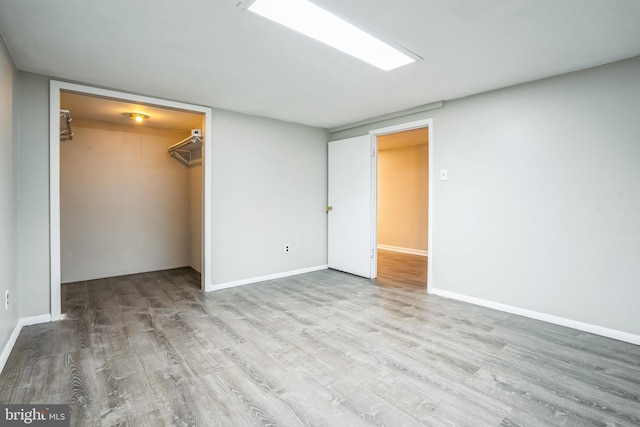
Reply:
x=315 y=22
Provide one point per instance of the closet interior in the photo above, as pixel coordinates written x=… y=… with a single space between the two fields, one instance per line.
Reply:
x=131 y=191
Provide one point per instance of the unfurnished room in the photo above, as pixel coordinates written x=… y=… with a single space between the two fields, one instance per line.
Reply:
x=320 y=213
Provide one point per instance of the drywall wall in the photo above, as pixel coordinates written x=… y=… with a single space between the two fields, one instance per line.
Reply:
x=33 y=195
x=541 y=209
x=124 y=202
x=8 y=101
x=195 y=217
x=403 y=197
x=269 y=189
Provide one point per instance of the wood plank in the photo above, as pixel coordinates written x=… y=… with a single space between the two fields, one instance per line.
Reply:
x=324 y=348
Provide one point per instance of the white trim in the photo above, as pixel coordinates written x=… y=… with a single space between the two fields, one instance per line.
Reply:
x=373 y=269
x=267 y=277
x=25 y=321
x=207 y=185
x=4 y=356
x=54 y=176
x=55 y=274
x=425 y=123
x=35 y=320
x=403 y=250
x=562 y=321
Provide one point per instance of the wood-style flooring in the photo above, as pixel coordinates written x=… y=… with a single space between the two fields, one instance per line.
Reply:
x=401 y=270
x=320 y=349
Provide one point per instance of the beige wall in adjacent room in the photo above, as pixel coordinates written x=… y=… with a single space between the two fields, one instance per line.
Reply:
x=124 y=202
x=403 y=197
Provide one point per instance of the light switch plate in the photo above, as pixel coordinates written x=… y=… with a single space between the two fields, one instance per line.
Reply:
x=443 y=175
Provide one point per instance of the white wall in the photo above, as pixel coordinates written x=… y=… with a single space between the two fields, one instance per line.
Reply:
x=269 y=189
x=403 y=197
x=124 y=202
x=542 y=208
x=8 y=101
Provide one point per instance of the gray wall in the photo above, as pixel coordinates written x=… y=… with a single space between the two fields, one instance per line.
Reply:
x=269 y=189
x=33 y=195
x=542 y=207
x=8 y=100
x=124 y=202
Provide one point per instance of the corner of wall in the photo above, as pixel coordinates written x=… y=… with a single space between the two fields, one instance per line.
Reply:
x=8 y=194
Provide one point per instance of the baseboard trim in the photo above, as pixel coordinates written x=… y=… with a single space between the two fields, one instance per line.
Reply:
x=265 y=278
x=557 y=320
x=403 y=250
x=25 y=321
x=35 y=320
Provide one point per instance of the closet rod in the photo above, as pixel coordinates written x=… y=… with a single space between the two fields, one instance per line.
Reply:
x=184 y=142
x=177 y=156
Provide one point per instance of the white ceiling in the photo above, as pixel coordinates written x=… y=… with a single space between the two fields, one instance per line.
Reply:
x=212 y=53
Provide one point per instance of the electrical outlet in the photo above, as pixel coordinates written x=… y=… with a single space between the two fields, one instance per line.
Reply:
x=6 y=300
x=286 y=249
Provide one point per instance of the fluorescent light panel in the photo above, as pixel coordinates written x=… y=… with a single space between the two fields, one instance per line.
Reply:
x=315 y=22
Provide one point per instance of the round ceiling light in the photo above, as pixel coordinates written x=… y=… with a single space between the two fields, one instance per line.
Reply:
x=138 y=117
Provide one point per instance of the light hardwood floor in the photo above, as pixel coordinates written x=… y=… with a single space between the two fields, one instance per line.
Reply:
x=401 y=270
x=324 y=348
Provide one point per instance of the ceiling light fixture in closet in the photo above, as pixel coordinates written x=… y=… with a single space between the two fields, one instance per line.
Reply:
x=138 y=117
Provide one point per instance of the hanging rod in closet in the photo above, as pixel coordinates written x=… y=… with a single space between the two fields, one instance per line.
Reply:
x=182 y=151
x=65 y=125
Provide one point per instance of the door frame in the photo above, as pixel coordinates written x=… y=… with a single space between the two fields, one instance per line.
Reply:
x=374 y=134
x=55 y=87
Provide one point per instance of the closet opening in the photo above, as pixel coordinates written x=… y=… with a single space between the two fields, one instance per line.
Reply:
x=127 y=196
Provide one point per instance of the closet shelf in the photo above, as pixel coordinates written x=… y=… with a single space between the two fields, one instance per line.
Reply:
x=182 y=151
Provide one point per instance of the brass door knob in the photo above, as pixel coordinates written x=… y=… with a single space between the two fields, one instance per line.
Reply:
x=329 y=208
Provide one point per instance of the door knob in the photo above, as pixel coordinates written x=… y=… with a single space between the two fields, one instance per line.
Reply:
x=329 y=208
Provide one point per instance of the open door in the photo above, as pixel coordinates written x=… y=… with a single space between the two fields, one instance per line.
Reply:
x=350 y=208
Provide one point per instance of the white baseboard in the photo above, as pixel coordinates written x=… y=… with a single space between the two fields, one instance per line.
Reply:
x=25 y=321
x=265 y=278
x=403 y=250
x=574 y=324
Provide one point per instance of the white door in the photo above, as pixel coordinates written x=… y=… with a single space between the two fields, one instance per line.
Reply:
x=350 y=206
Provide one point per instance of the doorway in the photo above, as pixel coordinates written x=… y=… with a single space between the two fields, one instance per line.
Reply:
x=352 y=200
x=402 y=208
x=399 y=246
x=56 y=90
